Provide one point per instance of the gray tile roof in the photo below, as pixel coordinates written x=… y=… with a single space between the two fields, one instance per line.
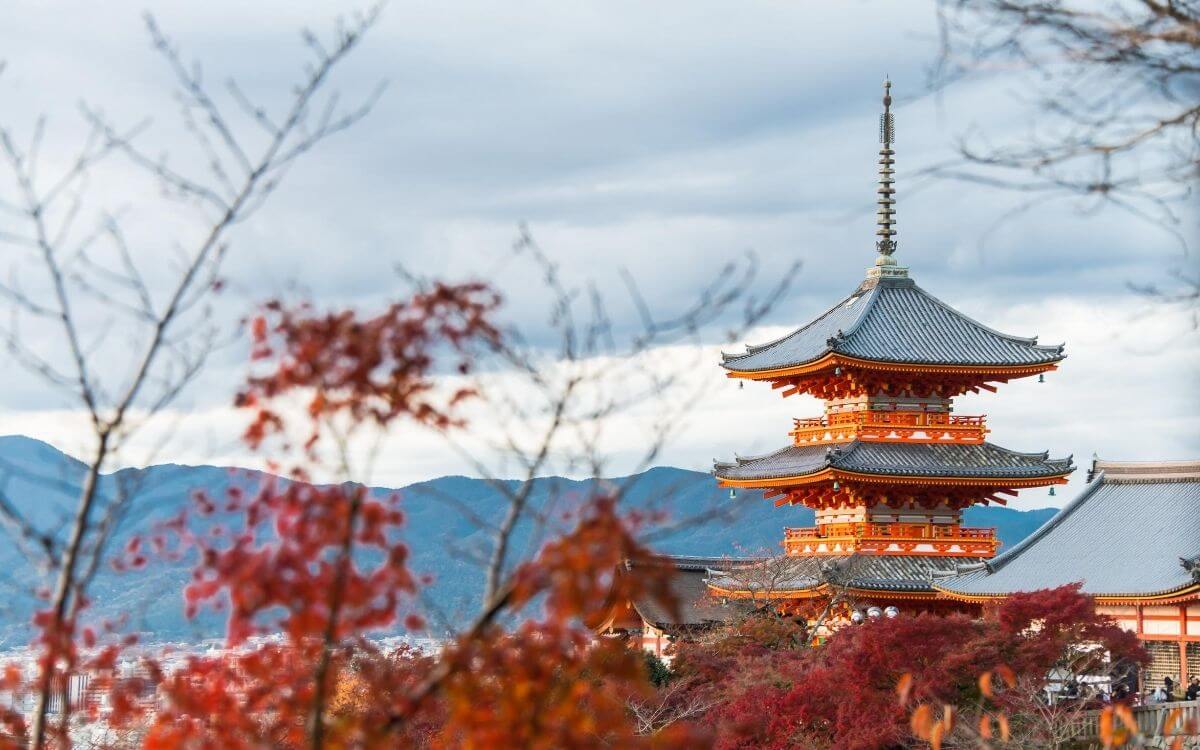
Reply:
x=894 y=320
x=699 y=608
x=983 y=460
x=870 y=572
x=1123 y=535
x=688 y=585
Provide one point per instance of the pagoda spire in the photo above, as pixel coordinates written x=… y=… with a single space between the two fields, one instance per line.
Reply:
x=885 y=264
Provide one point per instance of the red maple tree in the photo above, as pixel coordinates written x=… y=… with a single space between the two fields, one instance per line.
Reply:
x=843 y=694
x=291 y=563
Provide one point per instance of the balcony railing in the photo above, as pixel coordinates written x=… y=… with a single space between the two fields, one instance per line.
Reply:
x=890 y=426
x=890 y=531
x=1152 y=722
x=897 y=538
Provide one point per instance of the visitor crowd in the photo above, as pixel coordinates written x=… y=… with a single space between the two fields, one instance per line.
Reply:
x=1165 y=693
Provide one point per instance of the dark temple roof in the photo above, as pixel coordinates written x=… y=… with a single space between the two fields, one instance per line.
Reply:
x=894 y=320
x=1127 y=534
x=870 y=572
x=698 y=607
x=983 y=460
x=688 y=584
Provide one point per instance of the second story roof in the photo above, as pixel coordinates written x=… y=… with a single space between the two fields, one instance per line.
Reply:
x=978 y=461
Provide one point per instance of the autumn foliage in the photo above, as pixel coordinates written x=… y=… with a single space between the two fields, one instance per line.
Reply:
x=307 y=573
x=375 y=368
x=844 y=693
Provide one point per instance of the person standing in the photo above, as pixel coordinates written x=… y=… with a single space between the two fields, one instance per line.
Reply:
x=1193 y=690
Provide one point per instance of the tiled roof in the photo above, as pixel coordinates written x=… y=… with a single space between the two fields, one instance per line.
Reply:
x=983 y=460
x=1124 y=535
x=894 y=320
x=696 y=607
x=871 y=572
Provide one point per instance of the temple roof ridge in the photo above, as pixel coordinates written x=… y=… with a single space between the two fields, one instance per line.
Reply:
x=856 y=295
x=1031 y=340
x=1057 y=520
x=1146 y=471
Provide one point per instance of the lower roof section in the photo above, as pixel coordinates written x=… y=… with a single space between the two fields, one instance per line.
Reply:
x=783 y=576
x=689 y=587
x=713 y=590
x=984 y=461
x=1134 y=532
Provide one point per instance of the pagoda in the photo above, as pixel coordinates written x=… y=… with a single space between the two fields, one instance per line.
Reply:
x=889 y=467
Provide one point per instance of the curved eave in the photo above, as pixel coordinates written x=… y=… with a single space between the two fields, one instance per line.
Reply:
x=834 y=359
x=821 y=590
x=807 y=593
x=830 y=474
x=1169 y=596
x=661 y=625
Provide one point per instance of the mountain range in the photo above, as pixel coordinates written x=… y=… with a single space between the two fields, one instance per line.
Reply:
x=42 y=483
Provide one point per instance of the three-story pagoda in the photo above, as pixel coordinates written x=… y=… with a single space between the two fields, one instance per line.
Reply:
x=890 y=466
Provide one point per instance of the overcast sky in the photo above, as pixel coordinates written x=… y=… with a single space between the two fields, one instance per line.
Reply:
x=663 y=138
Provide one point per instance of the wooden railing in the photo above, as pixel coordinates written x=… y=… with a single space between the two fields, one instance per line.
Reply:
x=892 y=538
x=890 y=426
x=890 y=531
x=1151 y=720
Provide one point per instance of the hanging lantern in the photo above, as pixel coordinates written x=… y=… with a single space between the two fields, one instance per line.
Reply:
x=1042 y=377
x=1052 y=492
x=733 y=494
x=741 y=384
x=836 y=486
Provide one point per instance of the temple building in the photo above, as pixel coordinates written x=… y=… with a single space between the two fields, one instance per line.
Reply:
x=1132 y=540
x=890 y=466
x=646 y=623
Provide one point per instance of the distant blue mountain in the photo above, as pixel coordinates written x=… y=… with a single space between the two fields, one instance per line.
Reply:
x=689 y=515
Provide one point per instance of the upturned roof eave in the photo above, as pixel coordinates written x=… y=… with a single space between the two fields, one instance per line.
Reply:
x=834 y=357
x=833 y=472
x=836 y=463
x=1184 y=589
x=868 y=298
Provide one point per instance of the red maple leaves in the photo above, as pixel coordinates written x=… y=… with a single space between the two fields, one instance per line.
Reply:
x=309 y=573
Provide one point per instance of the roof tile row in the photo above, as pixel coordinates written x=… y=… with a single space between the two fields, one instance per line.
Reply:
x=983 y=460
x=894 y=320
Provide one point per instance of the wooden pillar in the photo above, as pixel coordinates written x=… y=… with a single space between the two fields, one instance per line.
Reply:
x=1183 y=633
x=1141 y=683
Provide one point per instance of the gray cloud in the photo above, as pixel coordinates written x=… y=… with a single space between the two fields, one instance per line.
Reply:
x=659 y=137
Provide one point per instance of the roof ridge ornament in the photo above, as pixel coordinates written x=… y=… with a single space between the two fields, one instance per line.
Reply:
x=885 y=265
